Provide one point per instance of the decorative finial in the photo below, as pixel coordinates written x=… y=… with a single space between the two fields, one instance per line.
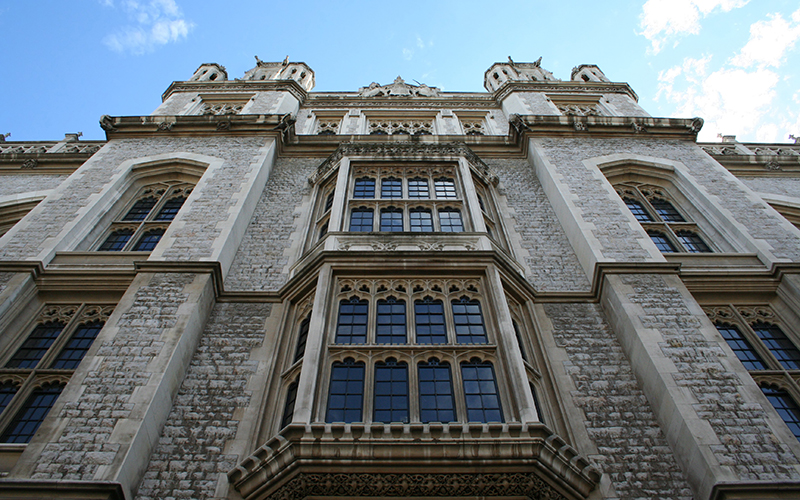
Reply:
x=791 y=136
x=510 y=61
x=286 y=61
x=538 y=62
x=3 y=137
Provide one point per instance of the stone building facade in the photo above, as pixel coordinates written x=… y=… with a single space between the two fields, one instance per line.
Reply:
x=259 y=291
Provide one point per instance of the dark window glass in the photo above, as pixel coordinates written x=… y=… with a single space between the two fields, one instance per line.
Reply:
x=39 y=341
x=75 y=349
x=468 y=321
x=436 y=392
x=364 y=188
x=140 y=210
x=536 y=403
x=662 y=242
x=352 y=327
x=445 y=189
x=329 y=201
x=429 y=321
x=741 y=347
x=32 y=414
x=323 y=230
x=450 y=220
x=391 y=188
x=170 y=208
x=692 y=242
x=666 y=211
x=288 y=408
x=7 y=392
x=480 y=202
x=638 y=210
x=326 y=132
x=418 y=188
x=116 y=241
x=361 y=220
x=421 y=220
x=391 y=392
x=391 y=327
x=480 y=392
x=302 y=337
x=519 y=339
x=391 y=219
x=786 y=408
x=378 y=132
x=780 y=346
x=149 y=240
x=346 y=396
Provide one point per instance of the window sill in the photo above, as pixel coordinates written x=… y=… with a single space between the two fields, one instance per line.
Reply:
x=109 y=260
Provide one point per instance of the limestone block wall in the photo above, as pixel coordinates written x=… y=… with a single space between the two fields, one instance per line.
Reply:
x=182 y=103
x=11 y=185
x=624 y=105
x=784 y=186
x=260 y=263
x=191 y=459
x=550 y=261
x=628 y=444
x=4 y=279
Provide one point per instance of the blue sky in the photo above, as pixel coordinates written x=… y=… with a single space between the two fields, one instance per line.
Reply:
x=736 y=63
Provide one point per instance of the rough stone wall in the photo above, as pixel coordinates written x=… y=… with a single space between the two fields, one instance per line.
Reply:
x=551 y=263
x=176 y=104
x=18 y=184
x=264 y=103
x=260 y=261
x=83 y=444
x=783 y=186
x=538 y=104
x=747 y=445
x=189 y=458
x=192 y=241
x=4 y=279
x=500 y=121
x=624 y=105
x=617 y=238
x=632 y=449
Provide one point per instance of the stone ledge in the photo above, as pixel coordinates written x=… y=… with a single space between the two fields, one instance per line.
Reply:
x=58 y=490
x=756 y=491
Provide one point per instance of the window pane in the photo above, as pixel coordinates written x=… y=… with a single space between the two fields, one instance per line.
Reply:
x=32 y=414
x=149 y=240
x=116 y=241
x=662 y=242
x=429 y=322
x=140 y=209
x=170 y=208
x=780 y=346
x=421 y=220
x=536 y=403
x=468 y=321
x=418 y=188
x=445 y=189
x=786 y=408
x=391 y=392
x=741 y=347
x=329 y=202
x=391 y=188
x=302 y=337
x=347 y=392
x=36 y=345
x=352 y=327
x=391 y=219
x=638 y=210
x=519 y=339
x=361 y=220
x=288 y=408
x=666 y=211
x=436 y=393
x=7 y=392
x=391 y=322
x=450 y=221
x=75 y=349
x=364 y=188
x=692 y=242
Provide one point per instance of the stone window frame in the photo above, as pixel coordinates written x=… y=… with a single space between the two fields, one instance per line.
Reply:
x=164 y=191
x=408 y=123
x=644 y=194
x=327 y=122
x=474 y=123
x=27 y=380
x=222 y=104
x=410 y=290
x=743 y=317
x=579 y=104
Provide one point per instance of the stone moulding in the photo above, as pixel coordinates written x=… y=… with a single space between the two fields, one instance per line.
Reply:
x=557 y=86
x=194 y=125
x=616 y=126
x=416 y=460
x=289 y=86
x=23 y=489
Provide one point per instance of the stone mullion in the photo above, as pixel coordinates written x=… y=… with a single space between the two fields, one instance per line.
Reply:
x=336 y=221
x=470 y=197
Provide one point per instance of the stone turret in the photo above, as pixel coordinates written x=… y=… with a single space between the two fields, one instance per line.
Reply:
x=297 y=71
x=500 y=73
x=209 y=72
x=588 y=73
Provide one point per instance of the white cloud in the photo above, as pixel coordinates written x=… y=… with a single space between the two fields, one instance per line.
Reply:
x=408 y=54
x=420 y=43
x=662 y=20
x=158 y=22
x=769 y=41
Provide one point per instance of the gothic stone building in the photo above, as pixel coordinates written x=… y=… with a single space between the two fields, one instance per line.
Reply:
x=535 y=292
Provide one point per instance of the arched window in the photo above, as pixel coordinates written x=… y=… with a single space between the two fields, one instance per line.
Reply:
x=436 y=402
x=361 y=220
x=480 y=392
x=288 y=407
x=468 y=320
x=391 y=219
x=346 y=394
x=421 y=220
x=785 y=406
x=36 y=345
x=429 y=321
x=391 y=322
x=33 y=412
x=352 y=323
x=391 y=392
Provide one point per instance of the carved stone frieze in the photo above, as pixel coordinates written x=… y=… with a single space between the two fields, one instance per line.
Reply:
x=398 y=88
x=30 y=163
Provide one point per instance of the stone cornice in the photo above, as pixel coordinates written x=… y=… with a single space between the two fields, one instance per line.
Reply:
x=446 y=101
x=290 y=86
x=606 y=126
x=117 y=127
x=36 y=489
x=569 y=86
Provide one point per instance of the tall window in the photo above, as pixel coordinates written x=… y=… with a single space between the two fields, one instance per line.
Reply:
x=436 y=403
x=27 y=421
x=346 y=396
x=139 y=227
x=450 y=220
x=364 y=188
x=78 y=344
x=670 y=230
x=302 y=338
x=288 y=407
x=391 y=188
x=430 y=326
x=468 y=321
x=391 y=219
x=786 y=408
x=391 y=392
x=361 y=220
x=480 y=392
x=37 y=344
x=421 y=220
x=391 y=327
x=352 y=327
